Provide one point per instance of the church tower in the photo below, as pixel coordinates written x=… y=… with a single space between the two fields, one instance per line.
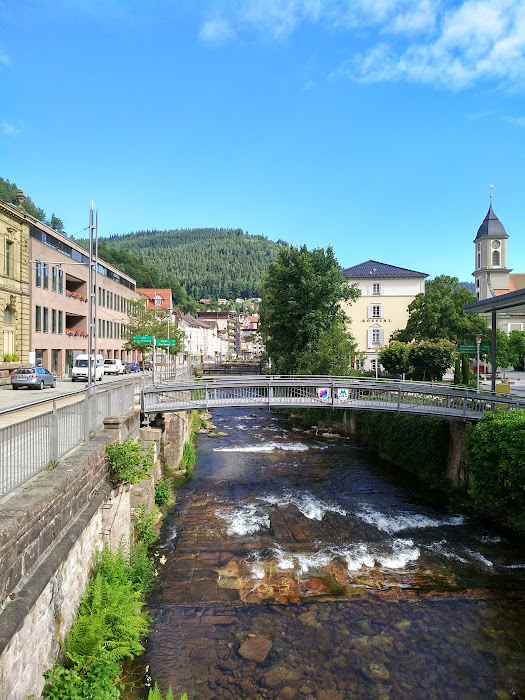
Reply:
x=490 y=269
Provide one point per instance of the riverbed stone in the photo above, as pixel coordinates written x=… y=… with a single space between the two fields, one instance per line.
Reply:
x=330 y=694
x=271 y=680
x=255 y=648
x=375 y=672
x=287 y=693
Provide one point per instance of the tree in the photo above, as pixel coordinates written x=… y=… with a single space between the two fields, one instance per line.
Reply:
x=57 y=224
x=431 y=358
x=517 y=344
x=457 y=371
x=465 y=370
x=143 y=321
x=506 y=355
x=302 y=323
x=394 y=357
x=439 y=314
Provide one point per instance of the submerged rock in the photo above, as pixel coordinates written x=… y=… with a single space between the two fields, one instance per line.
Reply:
x=255 y=648
x=376 y=672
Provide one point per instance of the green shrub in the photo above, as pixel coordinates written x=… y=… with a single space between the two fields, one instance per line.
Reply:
x=84 y=678
x=128 y=462
x=143 y=525
x=188 y=458
x=163 y=495
x=495 y=452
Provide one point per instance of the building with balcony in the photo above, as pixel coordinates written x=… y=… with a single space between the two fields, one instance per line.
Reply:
x=386 y=292
x=14 y=288
x=59 y=298
x=228 y=325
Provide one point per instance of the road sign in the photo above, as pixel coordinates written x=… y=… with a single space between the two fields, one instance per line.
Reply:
x=466 y=349
x=142 y=338
x=165 y=342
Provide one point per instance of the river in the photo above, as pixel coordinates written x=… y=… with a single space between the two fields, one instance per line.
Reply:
x=302 y=567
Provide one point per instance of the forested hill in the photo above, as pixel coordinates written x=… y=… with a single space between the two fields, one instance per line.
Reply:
x=207 y=262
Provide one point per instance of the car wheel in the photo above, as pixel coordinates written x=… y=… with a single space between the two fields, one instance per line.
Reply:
x=41 y=387
x=53 y=386
x=15 y=388
x=73 y=379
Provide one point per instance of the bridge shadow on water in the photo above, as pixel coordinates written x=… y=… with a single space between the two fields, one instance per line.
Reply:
x=304 y=568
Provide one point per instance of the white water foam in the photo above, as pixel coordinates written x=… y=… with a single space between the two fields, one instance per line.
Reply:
x=311 y=507
x=490 y=539
x=245 y=520
x=439 y=548
x=402 y=521
x=479 y=557
x=403 y=552
x=256 y=566
x=267 y=447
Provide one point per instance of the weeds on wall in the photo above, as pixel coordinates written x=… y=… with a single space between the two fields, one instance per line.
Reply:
x=128 y=462
x=495 y=460
x=163 y=494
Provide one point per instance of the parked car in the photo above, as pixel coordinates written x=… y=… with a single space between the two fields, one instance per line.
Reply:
x=33 y=377
x=113 y=366
x=145 y=365
x=125 y=367
x=80 y=370
x=132 y=367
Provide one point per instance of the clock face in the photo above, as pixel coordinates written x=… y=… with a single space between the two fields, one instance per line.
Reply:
x=495 y=244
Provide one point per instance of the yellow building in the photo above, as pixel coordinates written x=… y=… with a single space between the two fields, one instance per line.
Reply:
x=14 y=288
x=386 y=292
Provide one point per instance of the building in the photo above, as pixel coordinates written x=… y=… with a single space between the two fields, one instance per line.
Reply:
x=386 y=292
x=59 y=272
x=228 y=326
x=14 y=288
x=158 y=299
x=492 y=275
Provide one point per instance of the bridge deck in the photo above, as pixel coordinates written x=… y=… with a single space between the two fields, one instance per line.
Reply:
x=325 y=392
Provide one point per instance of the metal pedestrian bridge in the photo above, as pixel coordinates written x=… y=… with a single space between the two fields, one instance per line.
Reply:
x=324 y=392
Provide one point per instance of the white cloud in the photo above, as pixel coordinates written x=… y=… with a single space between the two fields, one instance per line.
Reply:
x=450 y=43
x=8 y=129
x=517 y=121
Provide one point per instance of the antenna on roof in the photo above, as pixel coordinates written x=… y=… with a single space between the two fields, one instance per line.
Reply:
x=490 y=198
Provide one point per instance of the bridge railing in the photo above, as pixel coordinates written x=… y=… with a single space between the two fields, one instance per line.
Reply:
x=334 y=392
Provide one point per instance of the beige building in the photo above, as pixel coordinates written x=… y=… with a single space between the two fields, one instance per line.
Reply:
x=386 y=292
x=14 y=288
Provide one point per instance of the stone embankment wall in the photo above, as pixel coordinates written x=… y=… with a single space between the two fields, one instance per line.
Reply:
x=49 y=533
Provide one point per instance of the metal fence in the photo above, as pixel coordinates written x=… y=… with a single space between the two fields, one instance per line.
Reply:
x=30 y=444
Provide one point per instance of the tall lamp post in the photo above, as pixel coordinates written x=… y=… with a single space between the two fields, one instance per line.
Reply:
x=478 y=343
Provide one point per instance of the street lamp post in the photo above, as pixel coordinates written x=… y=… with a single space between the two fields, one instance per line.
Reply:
x=478 y=342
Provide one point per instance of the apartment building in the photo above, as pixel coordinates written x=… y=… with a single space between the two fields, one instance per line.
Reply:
x=386 y=292
x=59 y=295
x=228 y=325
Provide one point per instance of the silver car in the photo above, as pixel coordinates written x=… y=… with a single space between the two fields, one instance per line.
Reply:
x=33 y=377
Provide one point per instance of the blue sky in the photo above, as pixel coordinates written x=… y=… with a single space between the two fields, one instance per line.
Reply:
x=375 y=126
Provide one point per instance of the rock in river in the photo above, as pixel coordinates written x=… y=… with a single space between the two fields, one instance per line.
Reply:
x=255 y=648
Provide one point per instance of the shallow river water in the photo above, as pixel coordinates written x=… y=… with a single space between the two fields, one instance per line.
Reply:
x=300 y=567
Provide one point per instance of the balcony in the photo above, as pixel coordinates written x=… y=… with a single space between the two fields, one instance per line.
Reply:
x=76 y=295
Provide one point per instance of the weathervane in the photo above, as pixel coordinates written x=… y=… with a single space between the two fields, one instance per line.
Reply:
x=490 y=199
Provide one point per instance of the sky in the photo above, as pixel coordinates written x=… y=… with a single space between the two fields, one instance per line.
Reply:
x=373 y=126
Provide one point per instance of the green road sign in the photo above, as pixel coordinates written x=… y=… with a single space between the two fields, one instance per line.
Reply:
x=142 y=338
x=467 y=349
x=165 y=342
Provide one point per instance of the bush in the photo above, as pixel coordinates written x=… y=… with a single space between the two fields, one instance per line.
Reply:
x=188 y=458
x=83 y=678
x=163 y=494
x=494 y=458
x=128 y=462
x=144 y=526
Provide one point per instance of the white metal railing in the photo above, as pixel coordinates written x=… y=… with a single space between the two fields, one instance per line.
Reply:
x=326 y=392
x=30 y=444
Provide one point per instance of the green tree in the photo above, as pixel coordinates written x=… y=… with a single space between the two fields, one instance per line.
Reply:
x=302 y=323
x=438 y=313
x=394 y=357
x=517 y=345
x=57 y=224
x=457 y=371
x=143 y=321
x=506 y=355
x=431 y=360
x=465 y=370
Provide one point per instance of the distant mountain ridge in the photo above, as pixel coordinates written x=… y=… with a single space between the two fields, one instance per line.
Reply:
x=207 y=262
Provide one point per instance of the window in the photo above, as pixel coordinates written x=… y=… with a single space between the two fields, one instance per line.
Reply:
x=38 y=275
x=99 y=326
x=53 y=321
x=38 y=319
x=54 y=279
x=495 y=258
x=60 y=327
x=45 y=320
x=375 y=336
x=60 y=281
x=9 y=262
x=8 y=316
x=376 y=311
x=103 y=297
x=46 y=276
x=376 y=289
x=479 y=256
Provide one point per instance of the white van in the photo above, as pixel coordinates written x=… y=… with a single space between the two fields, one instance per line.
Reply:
x=113 y=366
x=79 y=373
